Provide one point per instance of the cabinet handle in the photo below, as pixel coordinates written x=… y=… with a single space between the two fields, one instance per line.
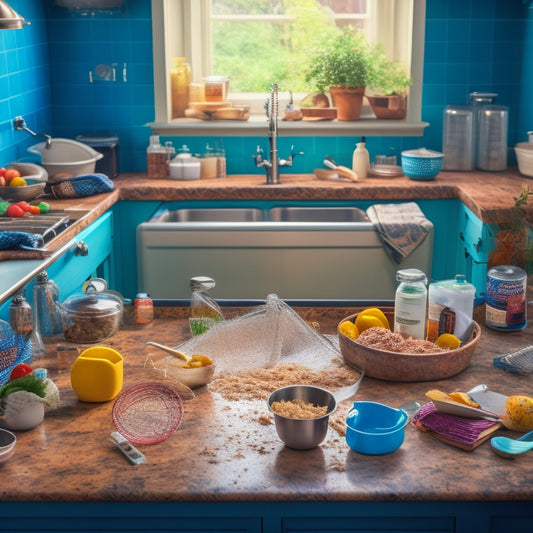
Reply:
x=81 y=248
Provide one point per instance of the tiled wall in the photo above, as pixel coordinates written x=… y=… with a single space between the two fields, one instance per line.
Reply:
x=471 y=45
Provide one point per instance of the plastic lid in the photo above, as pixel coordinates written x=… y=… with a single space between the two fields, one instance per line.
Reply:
x=411 y=274
x=93 y=304
x=201 y=283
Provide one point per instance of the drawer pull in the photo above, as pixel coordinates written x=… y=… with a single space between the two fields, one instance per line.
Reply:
x=81 y=248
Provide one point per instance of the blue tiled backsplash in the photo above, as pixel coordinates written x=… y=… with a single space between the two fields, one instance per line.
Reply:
x=471 y=45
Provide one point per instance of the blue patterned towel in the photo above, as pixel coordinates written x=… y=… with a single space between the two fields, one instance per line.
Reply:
x=81 y=186
x=20 y=240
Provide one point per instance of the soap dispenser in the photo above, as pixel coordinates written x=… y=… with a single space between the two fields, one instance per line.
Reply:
x=361 y=160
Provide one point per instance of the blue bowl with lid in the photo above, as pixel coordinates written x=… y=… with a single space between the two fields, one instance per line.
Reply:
x=374 y=428
x=421 y=164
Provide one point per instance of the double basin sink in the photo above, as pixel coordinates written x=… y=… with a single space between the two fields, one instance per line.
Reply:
x=291 y=214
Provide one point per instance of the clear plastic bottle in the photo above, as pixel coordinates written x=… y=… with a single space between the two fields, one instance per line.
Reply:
x=450 y=307
x=411 y=303
x=46 y=318
x=180 y=80
x=205 y=312
x=361 y=159
x=157 y=157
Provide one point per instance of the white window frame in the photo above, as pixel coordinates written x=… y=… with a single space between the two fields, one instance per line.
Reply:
x=173 y=23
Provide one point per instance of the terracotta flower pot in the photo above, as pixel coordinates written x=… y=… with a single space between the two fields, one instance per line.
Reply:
x=389 y=107
x=347 y=101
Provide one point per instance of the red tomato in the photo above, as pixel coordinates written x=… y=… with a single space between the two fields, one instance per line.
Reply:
x=14 y=211
x=11 y=173
x=3 y=171
x=20 y=371
x=25 y=206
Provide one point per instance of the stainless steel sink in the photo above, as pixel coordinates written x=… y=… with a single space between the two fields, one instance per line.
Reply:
x=210 y=215
x=317 y=214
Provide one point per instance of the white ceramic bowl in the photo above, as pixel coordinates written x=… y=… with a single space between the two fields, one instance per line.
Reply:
x=66 y=156
x=524 y=156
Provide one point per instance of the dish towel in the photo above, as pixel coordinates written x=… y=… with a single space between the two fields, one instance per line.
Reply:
x=80 y=186
x=401 y=227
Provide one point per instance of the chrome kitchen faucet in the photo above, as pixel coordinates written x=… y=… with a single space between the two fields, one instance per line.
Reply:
x=272 y=166
x=20 y=124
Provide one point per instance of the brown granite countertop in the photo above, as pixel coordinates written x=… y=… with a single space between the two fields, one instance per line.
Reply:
x=490 y=196
x=222 y=453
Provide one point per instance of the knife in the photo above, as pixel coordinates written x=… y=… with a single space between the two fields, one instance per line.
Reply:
x=488 y=400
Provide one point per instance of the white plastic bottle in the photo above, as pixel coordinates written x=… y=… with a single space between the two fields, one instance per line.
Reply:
x=361 y=159
x=410 y=303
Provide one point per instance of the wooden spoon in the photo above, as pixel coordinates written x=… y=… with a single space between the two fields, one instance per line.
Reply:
x=169 y=350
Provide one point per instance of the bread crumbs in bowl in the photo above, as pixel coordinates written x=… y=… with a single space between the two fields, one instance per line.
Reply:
x=392 y=358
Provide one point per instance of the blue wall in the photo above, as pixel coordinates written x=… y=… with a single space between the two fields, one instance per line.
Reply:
x=471 y=45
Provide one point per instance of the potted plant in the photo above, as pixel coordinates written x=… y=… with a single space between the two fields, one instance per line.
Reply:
x=341 y=64
x=388 y=83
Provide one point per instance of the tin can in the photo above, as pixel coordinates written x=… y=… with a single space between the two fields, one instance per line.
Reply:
x=506 y=308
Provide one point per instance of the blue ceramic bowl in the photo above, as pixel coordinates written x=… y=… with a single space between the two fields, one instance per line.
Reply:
x=421 y=164
x=374 y=428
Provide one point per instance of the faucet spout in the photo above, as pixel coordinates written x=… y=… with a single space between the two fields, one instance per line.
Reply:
x=272 y=165
x=20 y=124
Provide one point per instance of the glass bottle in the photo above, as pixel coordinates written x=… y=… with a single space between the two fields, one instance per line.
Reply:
x=180 y=80
x=205 y=312
x=157 y=157
x=144 y=308
x=361 y=159
x=410 y=303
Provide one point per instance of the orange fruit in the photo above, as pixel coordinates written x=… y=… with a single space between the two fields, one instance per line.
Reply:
x=447 y=340
x=364 y=322
x=17 y=182
x=349 y=329
x=378 y=313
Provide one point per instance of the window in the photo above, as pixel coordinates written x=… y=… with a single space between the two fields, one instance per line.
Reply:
x=223 y=37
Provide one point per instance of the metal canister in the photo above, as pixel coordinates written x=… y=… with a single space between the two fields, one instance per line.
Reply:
x=506 y=308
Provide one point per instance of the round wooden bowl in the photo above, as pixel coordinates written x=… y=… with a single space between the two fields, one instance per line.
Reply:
x=392 y=366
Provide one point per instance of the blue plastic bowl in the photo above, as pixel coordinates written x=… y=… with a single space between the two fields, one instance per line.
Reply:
x=374 y=428
x=421 y=164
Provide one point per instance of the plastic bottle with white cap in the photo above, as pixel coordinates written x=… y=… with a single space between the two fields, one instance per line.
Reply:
x=361 y=159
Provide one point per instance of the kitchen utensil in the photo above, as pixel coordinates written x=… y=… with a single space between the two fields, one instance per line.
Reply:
x=97 y=374
x=374 y=428
x=298 y=433
x=509 y=448
x=7 y=444
x=393 y=366
x=492 y=137
x=342 y=171
x=132 y=454
x=385 y=171
x=147 y=413
x=421 y=164
x=169 y=350
x=458 y=138
x=519 y=361
x=488 y=400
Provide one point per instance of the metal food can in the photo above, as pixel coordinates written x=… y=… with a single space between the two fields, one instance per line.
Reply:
x=506 y=308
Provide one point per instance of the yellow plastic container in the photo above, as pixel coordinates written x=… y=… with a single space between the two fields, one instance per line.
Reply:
x=97 y=374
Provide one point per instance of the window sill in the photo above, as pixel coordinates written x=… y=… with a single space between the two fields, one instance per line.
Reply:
x=257 y=125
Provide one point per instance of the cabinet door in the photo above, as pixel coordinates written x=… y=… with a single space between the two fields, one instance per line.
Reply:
x=90 y=255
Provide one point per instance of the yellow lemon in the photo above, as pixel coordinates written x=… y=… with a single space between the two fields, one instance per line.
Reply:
x=349 y=329
x=378 y=313
x=447 y=340
x=17 y=182
x=364 y=322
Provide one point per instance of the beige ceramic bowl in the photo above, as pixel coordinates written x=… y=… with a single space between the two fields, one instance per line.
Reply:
x=24 y=193
x=392 y=366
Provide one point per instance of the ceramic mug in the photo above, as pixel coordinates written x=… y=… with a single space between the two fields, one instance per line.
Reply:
x=97 y=374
